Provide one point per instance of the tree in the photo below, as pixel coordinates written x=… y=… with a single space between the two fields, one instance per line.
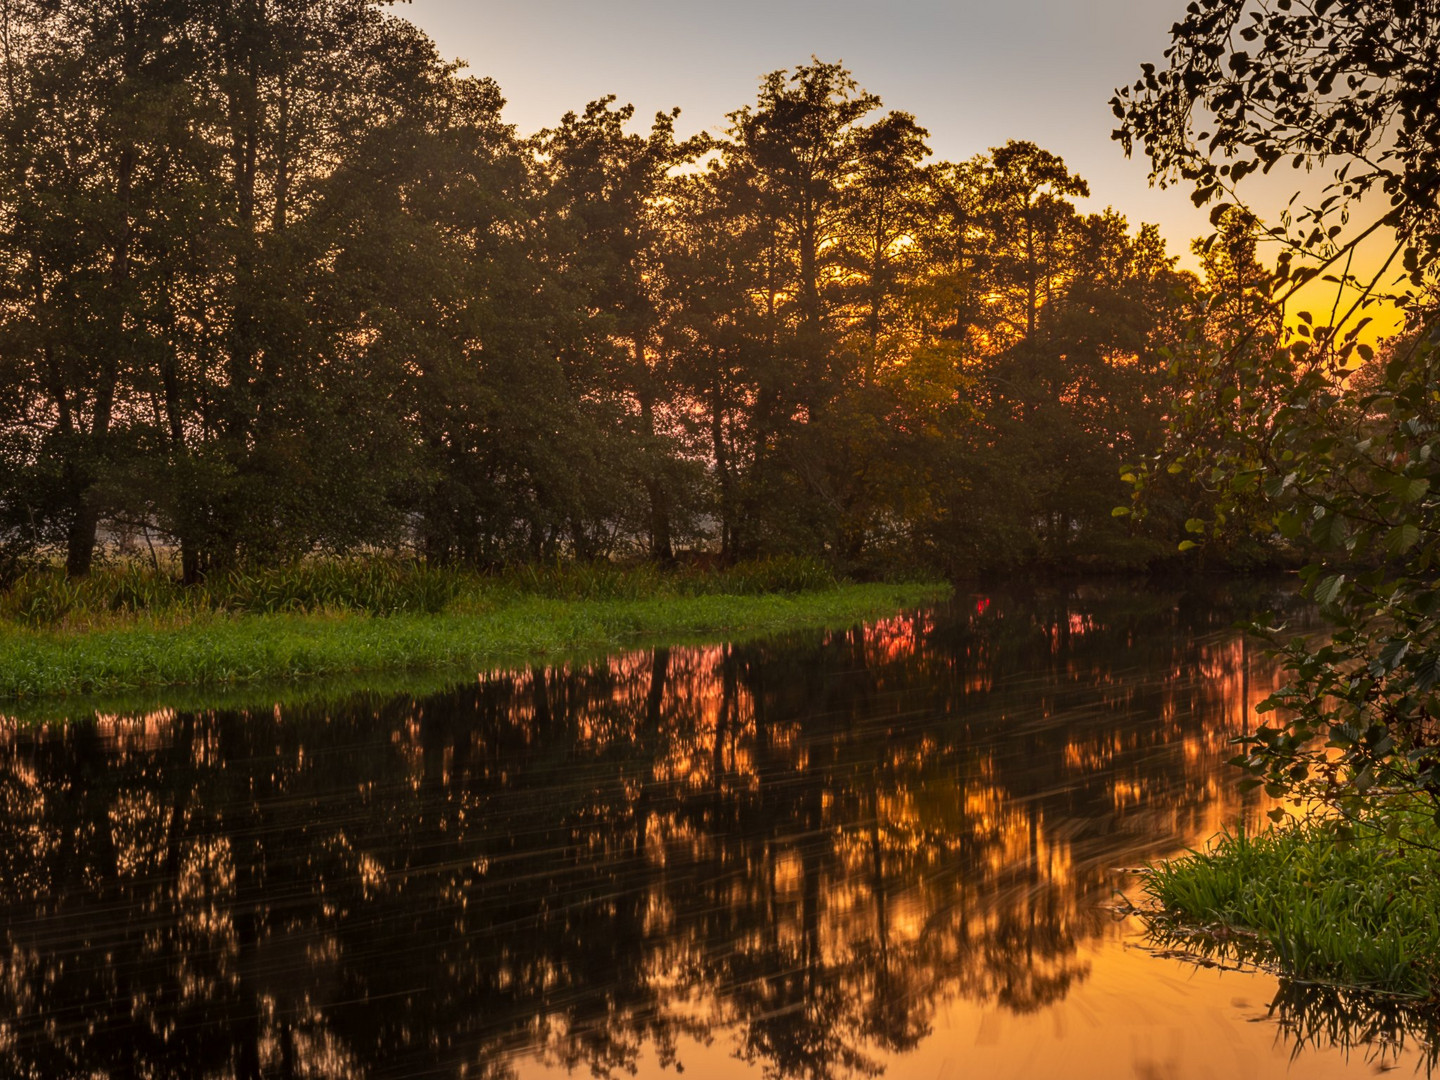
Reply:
x=275 y=280
x=788 y=160
x=1027 y=188
x=434 y=328
x=302 y=90
x=886 y=199
x=168 y=172
x=97 y=113
x=608 y=189
x=1344 y=466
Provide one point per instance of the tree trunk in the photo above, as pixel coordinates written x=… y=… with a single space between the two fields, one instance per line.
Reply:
x=656 y=489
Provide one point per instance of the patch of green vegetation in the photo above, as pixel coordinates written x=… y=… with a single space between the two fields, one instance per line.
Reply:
x=1355 y=904
x=119 y=594
x=476 y=629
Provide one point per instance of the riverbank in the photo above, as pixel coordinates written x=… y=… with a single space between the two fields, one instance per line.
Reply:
x=1356 y=905
x=223 y=648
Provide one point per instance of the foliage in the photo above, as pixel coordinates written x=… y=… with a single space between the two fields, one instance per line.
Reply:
x=609 y=581
x=1280 y=424
x=281 y=282
x=45 y=598
x=1350 y=83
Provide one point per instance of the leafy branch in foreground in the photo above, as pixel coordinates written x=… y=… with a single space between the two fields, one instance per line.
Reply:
x=1311 y=432
x=1349 y=468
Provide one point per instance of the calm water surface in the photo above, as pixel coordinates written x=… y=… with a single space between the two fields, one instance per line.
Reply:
x=888 y=851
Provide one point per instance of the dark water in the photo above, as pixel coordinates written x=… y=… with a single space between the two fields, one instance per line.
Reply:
x=883 y=850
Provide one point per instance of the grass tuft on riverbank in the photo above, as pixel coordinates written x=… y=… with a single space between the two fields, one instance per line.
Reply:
x=120 y=594
x=1351 y=904
x=359 y=619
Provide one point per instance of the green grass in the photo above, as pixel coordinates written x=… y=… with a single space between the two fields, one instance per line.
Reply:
x=119 y=594
x=1355 y=905
x=165 y=646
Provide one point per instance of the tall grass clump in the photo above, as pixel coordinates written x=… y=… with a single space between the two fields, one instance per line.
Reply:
x=44 y=598
x=786 y=574
x=598 y=580
x=620 y=581
x=1350 y=903
x=370 y=586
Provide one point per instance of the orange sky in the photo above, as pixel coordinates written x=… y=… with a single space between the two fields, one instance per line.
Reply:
x=974 y=73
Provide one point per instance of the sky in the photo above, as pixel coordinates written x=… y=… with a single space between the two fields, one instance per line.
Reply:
x=975 y=74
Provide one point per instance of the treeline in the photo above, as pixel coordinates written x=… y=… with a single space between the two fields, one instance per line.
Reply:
x=279 y=280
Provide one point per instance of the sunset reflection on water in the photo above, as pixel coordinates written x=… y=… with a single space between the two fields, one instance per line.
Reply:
x=887 y=848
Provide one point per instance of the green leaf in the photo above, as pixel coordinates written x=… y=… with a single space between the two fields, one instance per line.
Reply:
x=1412 y=490
x=1402 y=538
x=1278 y=485
x=1328 y=530
x=1290 y=525
x=1393 y=652
x=1328 y=589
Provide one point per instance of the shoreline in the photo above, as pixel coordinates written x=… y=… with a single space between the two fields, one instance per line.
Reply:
x=225 y=651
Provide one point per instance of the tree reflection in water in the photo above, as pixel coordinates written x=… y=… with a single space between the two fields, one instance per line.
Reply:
x=805 y=846
x=1377 y=1027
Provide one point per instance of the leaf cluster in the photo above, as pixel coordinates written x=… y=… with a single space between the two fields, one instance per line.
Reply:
x=1315 y=434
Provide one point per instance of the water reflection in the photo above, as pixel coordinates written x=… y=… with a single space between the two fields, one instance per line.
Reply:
x=1379 y=1029
x=803 y=848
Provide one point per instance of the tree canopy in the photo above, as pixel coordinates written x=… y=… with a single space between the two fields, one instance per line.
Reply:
x=278 y=283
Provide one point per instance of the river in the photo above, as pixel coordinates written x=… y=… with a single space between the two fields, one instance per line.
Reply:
x=893 y=850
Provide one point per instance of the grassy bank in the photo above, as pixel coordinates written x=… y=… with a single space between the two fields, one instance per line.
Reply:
x=1356 y=905
x=122 y=594
x=192 y=640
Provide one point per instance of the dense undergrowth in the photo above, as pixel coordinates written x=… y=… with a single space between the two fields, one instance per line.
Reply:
x=1355 y=904
x=44 y=598
x=124 y=629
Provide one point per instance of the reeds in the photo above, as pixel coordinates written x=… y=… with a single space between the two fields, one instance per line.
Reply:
x=615 y=581
x=1353 y=904
x=46 y=599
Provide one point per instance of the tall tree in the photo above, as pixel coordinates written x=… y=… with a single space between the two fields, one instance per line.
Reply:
x=99 y=108
x=608 y=188
x=787 y=159
x=1026 y=191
